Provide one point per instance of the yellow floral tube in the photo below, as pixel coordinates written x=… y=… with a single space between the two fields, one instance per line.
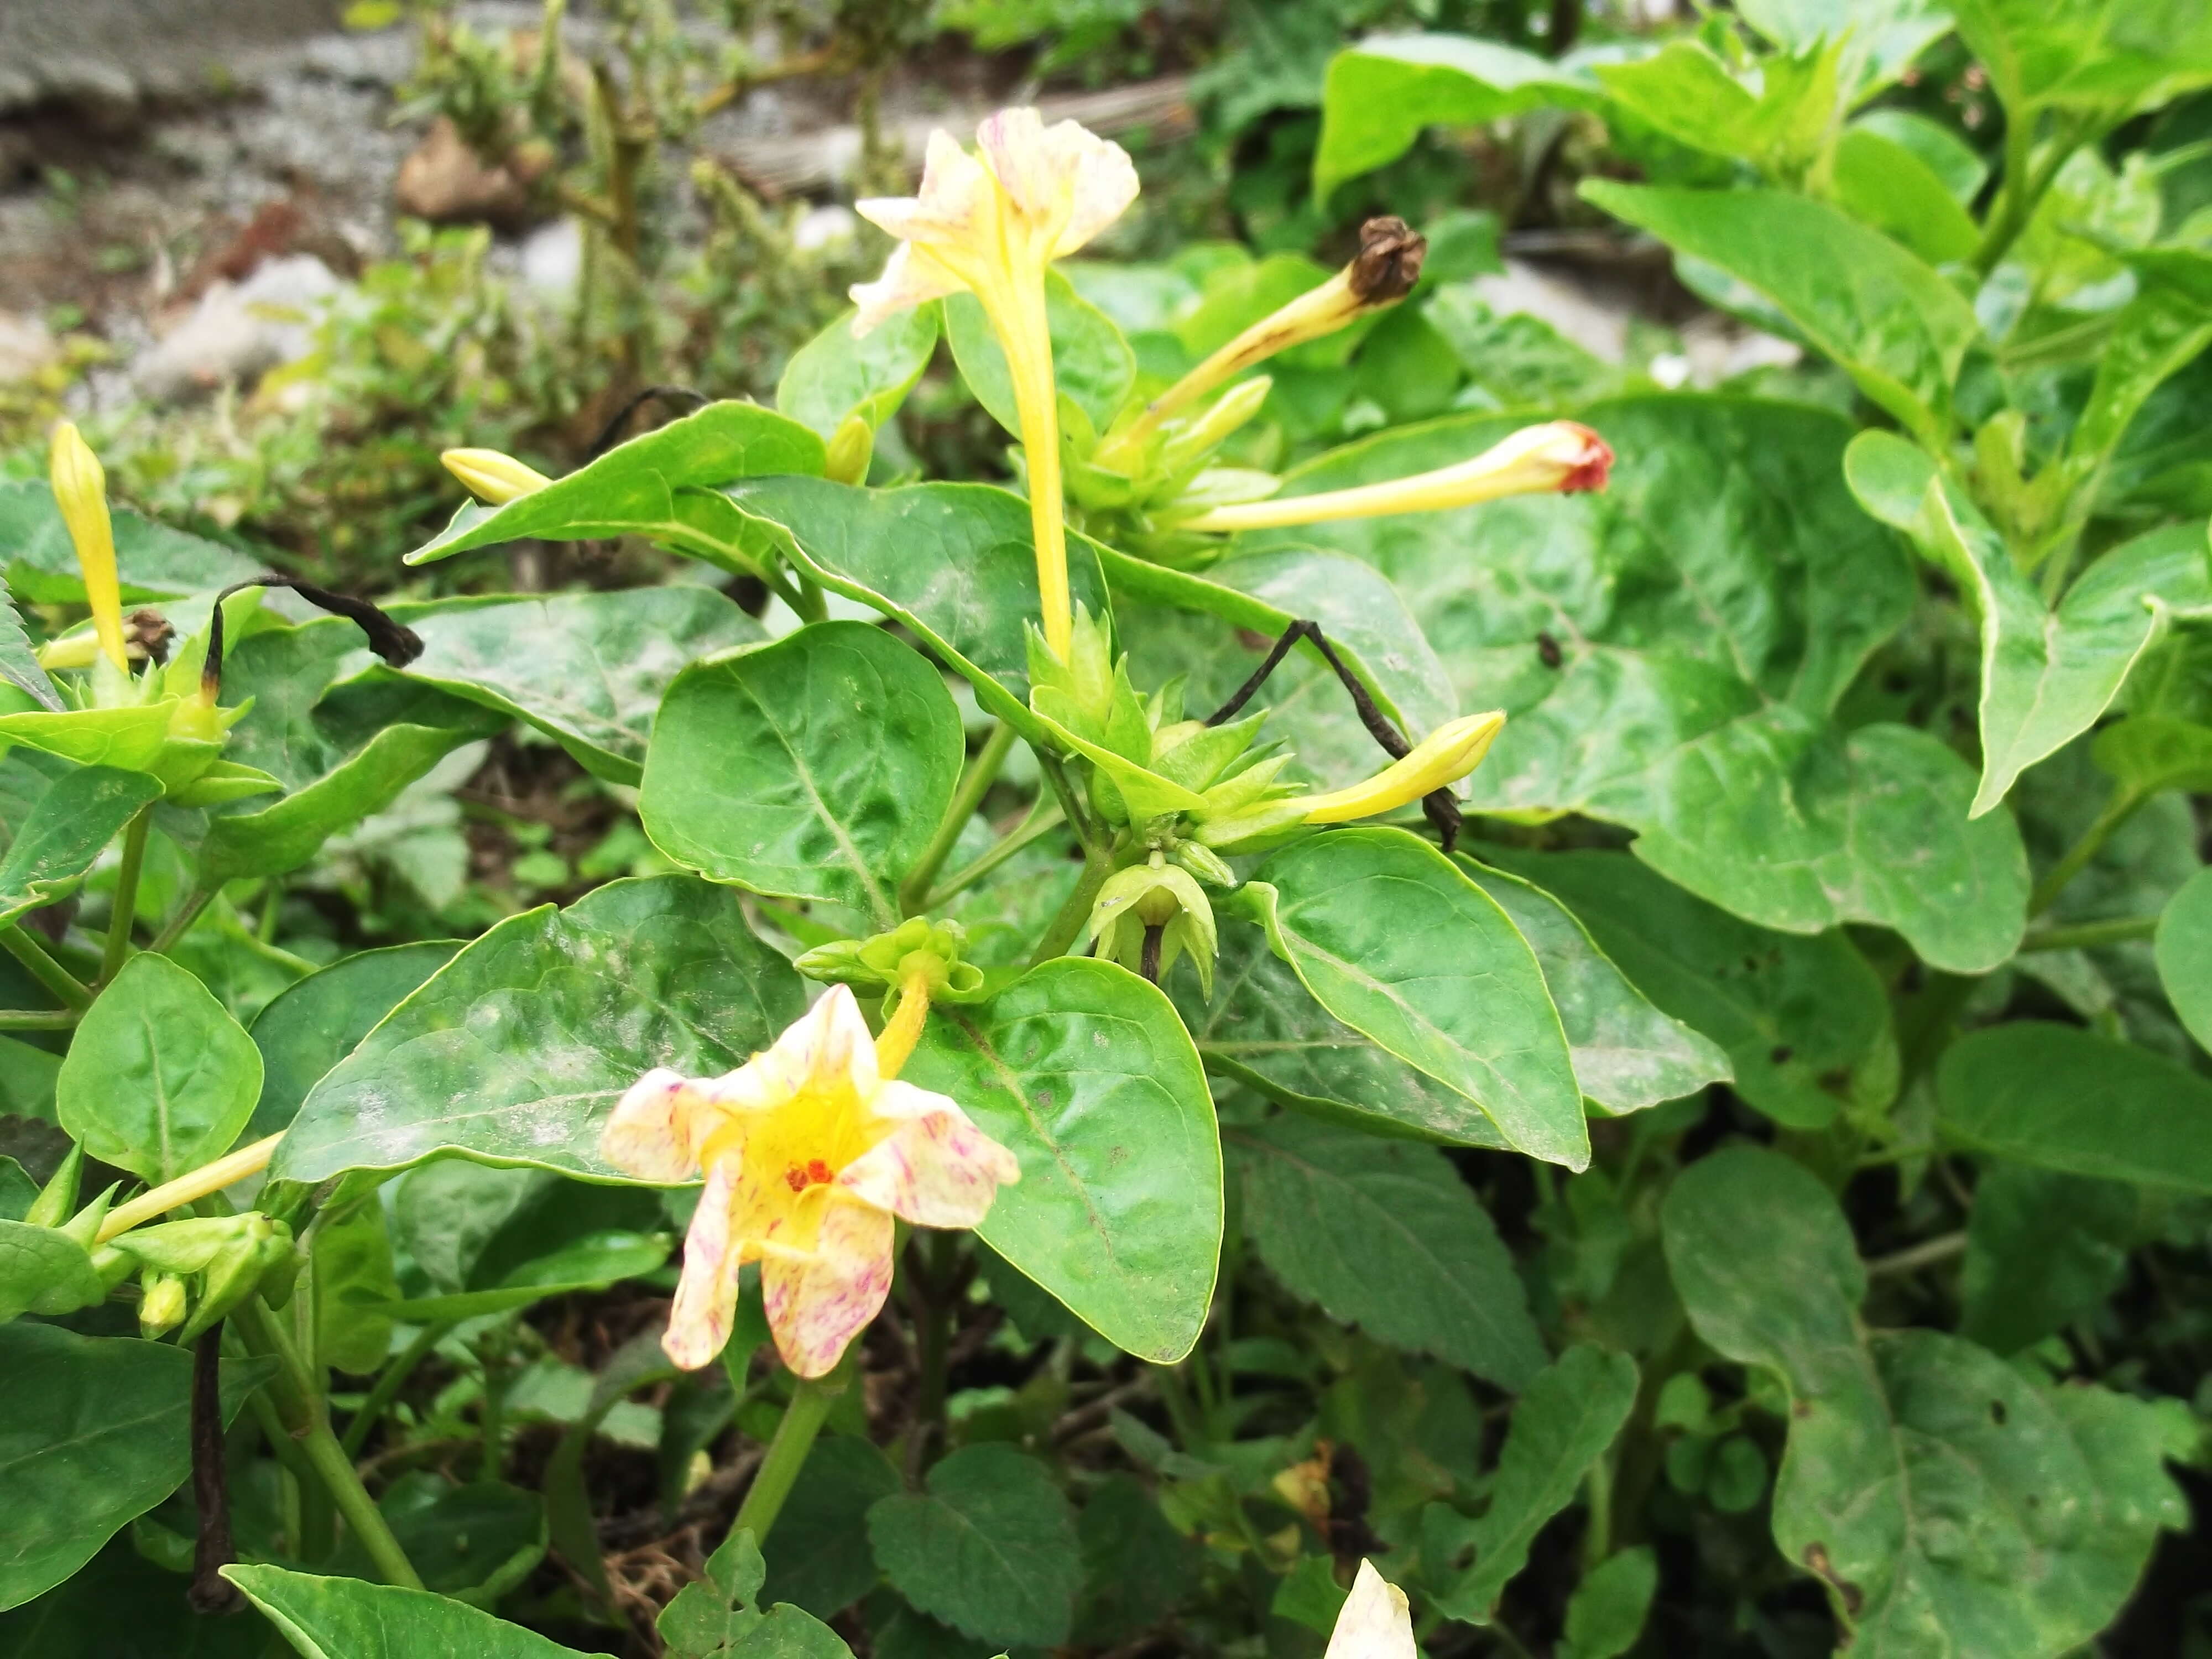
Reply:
x=1557 y=458
x=1445 y=756
x=494 y=478
x=81 y=492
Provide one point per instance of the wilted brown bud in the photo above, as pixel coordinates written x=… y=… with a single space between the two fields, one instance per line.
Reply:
x=147 y=634
x=1389 y=262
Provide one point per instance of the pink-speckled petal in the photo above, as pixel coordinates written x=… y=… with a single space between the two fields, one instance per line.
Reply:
x=935 y=1170
x=1376 y=1622
x=707 y=1293
x=648 y=1134
x=955 y=203
x=829 y=1042
x=1104 y=184
x=819 y=1303
x=1014 y=148
x=910 y=278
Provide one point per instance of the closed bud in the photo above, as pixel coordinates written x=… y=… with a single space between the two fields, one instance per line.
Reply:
x=494 y=478
x=81 y=492
x=850 y=447
x=1445 y=756
x=163 y=1304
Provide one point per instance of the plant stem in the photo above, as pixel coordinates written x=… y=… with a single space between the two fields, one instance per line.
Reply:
x=1069 y=922
x=299 y=1408
x=1926 y=1254
x=44 y=969
x=193 y=1184
x=126 y=911
x=2123 y=805
x=981 y=772
x=36 y=1019
x=389 y=1381
x=934 y=1333
x=1043 y=818
x=181 y=923
x=2088 y=934
x=1597 y=1536
x=787 y=1456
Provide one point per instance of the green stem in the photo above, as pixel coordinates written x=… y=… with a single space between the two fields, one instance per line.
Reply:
x=36 y=1019
x=126 y=911
x=1597 y=1537
x=935 y=1332
x=787 y=1456
x=2123 y=805
x=1097 y=866
x=982 y=772
x=2089 y=934
x=44 y=969
x=2009 y=216
x=1044 y=817
x=389 y=1381
x=1927 y=1253
x=181 y=923
x=301 y=1410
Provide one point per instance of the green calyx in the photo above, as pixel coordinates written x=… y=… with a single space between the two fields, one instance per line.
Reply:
x=208 y=1265
x=1157 y=894
x=887 y=961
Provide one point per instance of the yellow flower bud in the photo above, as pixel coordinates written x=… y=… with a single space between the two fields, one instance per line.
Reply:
x=81 y=492
x=850 y=447
x=163 y=1305
x=1445 y=756
x=495 y=479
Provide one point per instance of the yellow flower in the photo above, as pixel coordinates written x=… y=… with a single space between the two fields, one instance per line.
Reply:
x=81 y=492
x=1445 y=756
x=1561 y=457
x=1376 y=1622
x=809 y=1153
x=496 y=479
x=990 y=224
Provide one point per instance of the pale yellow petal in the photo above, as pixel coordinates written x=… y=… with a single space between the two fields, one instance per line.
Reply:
x=910 y=278
x=817 y=1302
x=936 y=1169
x=1376 y=1622
x=648 y=1134
x=706 y=1302
x=1103 y=185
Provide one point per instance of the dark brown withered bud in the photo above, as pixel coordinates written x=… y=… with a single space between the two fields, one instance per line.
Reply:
x=147 y=634
x=1389 y=262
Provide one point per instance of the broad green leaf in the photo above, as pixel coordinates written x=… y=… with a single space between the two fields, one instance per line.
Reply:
x=1137 y=1567
x=1884 y=184
x=1084 y=1071
x=991 y=1549
x=159 y=1078
x=590 y=1263
x=2149 y=754
x=1395 y=942
x=2059 y=1098
x=312 y=1026
x=19 y=662
x=1709 y=608
x=1957 y=164
x=953 y=562
x=1567 y=1417
x=1949 y=1504
x=1898 y=329
x=819 y=1557
x=152 y=560
x=353 y=1272
x=633 y=488
x=2046 y=676
x=2184 y=955
x=1092 y=363
x=586 y=669
x=1798 y=1017
x=1881 y=37
x=1264 y=1030
x=754 y=775
x=1386 y=1236
x=349 y=1619
x=64 y=834
x=1381 y=94
x=834 y=376
x=121 y=1606
x=126 y=738
x=2042 y=1250
x=2110 y=56
x=1627 y=1054
x=287 y=835
x=1607 y=1611
x=475 y=1542
x=515 y=1051
x=2153 y=337
x=44 y=1271
x=1686 y=92
x=96 y=1432
x=716 y=1609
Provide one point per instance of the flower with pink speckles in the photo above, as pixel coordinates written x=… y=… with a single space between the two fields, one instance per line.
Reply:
x=810 y=1154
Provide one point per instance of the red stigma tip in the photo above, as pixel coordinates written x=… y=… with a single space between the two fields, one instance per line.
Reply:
x=1595 y=464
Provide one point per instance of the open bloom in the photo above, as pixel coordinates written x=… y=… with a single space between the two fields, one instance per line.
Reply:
x=989 y=224
x=81 y=492
x=809 y=1153
x=1376 y=1622
x=1557 y=458
x=1445 y=756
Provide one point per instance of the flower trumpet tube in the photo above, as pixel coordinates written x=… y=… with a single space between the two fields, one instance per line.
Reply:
x=1560 y=457
x=1445 y=756
x=81 y=493
x=810 y=1154
x=1376 y=1622
x=493 y=478
x=990 y=224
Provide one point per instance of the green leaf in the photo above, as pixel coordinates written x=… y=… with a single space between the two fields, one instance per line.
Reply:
x=588 y=670
x=2184 y=955
x=1887 y=319
x=347 y=1618
x=591 y=1263
x=19 y=662
x=1083 y=1071
x=2059 y=1098
x=1881 y=37
x=834 y=376
x=313 y=1025
x=1607 y=1611
x=754 y=775
x=2153 y=337
x=160 y=1079
x=1709 y=609
x=1796 y=1015
x=1627 y=1054
x=2110 y=56
x=2046 y=676
x=1137 y=1567
x=1686 y=92
x=127 y=738
x=2149 y=754
x=820 y=1549
x=63 y=835
x=990 y=1550
x=96 y=1432
x=954 y=562
x=1386 y=1236
x=45 y=1270
x=1395 y=942
x=1565 y=1419
x=1092 y=364
x=1956 y=164
x=121 y=1606
x=2042 y=1250
x=1949 y=1504
x=475 y=1542
x=1381 y=94
x=152 y=560
x=353 y=1273
x=515 y=1051
x=632 y=490
x=1883 y=183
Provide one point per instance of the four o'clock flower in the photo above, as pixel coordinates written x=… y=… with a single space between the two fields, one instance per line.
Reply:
x=1376 y=1622
x=989 y=224
x=1445 y=756
x=810 y=1152
x=81 y=492
x=1557 y=458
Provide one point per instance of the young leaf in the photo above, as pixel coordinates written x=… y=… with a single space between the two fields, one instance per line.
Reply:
x=820 y=1559
x=62 y=835
x=159 y=1078
x=347 y=1618
x=1384 y=1235
x=515 y=1051
x=1607 y=1611
x=1092 y=363
x=2042 y=1250
x=834 y=377
x=313 y=1025
x=19 y=663
x=991 y=1549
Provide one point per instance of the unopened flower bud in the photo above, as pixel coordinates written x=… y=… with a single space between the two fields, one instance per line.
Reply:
x=1445 y=756
x=495 y=479
x=163 y=1305
x=850 y=447
x=81 y=492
